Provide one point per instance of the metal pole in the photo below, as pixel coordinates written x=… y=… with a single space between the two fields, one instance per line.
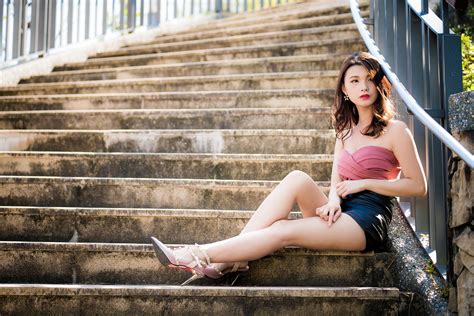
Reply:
x=104 y=18
x=17 y=13
x=52 y=24
x=131 y=12
x=96 y=19
x=61 y=26
x=444 y=16
x=78 y=21
x=87 y=18
x=122 y=12
x=219 y=8
x=7 y=29
x=1 y=30
x=70 y=7
x=424 y=6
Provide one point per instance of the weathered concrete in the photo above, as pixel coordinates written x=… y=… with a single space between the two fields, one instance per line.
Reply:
x=172 y=100
x=199 y=300
x=213 y=54
x=283 y=80
x=295 y=141
x=174 y=165
x=308 y=11
x=245 y=118
x=96 y=263
x=122 y=192
x=271 y=26
x=81 y=51
x=207 y=68
x=297 y=35
x=413 y=271
x=132 y=225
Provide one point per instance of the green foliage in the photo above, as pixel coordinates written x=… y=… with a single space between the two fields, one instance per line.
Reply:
x=467 y=52
x=429 y=267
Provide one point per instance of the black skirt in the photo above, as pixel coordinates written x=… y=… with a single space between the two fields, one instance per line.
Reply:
x=373 y=212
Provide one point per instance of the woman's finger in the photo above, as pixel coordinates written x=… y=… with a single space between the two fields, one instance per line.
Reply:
x=331 y=216
x=337 y=214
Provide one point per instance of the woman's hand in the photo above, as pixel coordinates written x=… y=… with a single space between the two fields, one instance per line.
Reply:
x=344 y=188
x=330 y=212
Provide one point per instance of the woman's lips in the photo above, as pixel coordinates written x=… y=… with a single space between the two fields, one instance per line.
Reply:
x=365 y=97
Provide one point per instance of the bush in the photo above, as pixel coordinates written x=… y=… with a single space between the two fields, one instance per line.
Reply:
x=467 y=52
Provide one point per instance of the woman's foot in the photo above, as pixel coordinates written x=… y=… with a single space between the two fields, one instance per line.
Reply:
x=190 y=258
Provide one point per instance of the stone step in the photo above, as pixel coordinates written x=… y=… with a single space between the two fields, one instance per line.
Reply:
x=331 y=46
x=296 y=35
x=301 y=141
x=244 y=118
x=186 y=166
x=172 y=100
x=285 y=80
x=265 y=16
x=206 y=68
x=135 y=193
x=99 y=263
x=120 y=225
x=266 y=27
x=196 y=300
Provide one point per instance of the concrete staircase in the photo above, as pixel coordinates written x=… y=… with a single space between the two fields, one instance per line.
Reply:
x=180 y=138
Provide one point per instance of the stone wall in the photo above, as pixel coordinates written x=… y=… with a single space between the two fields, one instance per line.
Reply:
x=461 y=221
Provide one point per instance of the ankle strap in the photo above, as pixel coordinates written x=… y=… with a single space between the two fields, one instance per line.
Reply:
x=203 y=252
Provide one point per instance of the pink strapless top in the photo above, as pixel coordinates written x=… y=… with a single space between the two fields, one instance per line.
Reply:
x=368 y=162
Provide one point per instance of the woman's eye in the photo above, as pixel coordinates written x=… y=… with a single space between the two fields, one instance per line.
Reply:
x=353 y=81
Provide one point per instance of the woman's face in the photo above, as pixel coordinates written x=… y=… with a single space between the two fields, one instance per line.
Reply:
x=359 y=86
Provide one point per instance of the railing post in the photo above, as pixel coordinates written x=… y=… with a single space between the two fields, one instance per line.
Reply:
x=424 y=6
x=388 y=36
x=1 y=31
x=51 y=23
x=104 y=18
x=87 y=22
x=18 y=16
x=70 y=11
x=400 y=32
x=219 y=8
x=131 y=13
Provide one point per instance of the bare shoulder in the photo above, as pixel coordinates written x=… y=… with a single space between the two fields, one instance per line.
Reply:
x=395 y=126
x=397 y=129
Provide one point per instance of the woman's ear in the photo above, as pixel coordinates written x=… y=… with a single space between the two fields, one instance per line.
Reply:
x=343 y=89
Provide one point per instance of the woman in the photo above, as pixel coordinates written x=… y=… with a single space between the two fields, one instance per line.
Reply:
x=371 y=148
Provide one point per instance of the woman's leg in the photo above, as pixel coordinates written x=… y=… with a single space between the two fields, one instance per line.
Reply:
x=296 y=187
x=310 y=232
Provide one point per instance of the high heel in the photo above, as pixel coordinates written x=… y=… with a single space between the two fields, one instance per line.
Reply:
x=168 y=258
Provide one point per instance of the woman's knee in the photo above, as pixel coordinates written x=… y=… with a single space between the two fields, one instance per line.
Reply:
x=298 y=177
x=282 y=231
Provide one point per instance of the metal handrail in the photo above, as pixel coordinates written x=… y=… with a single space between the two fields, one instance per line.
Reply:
x=410 y=102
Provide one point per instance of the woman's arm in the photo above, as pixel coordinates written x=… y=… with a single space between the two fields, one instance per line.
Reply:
x=412 y=184
x=332 y=209
x=335 y=179
x=414 y=181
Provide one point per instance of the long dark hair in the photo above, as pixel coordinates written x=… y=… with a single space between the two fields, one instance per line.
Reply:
x=345 y=113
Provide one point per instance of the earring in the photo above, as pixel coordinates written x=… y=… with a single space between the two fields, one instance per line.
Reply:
x=346 y=98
